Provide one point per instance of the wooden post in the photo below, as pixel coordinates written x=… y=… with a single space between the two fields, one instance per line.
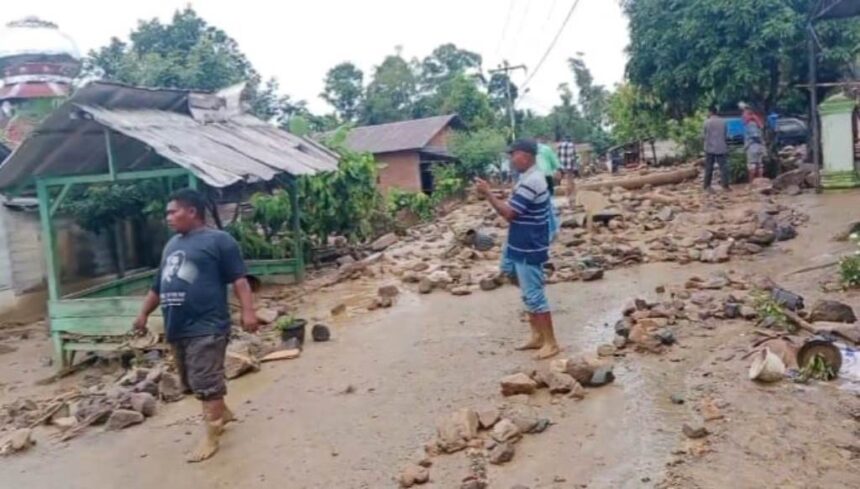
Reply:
x=109 y=150
x=296 y=226
x=49 y=245
x=193 y=183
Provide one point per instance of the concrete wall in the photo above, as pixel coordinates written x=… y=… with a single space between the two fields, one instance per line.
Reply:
x=26 y=263
x=401 y=170
x=5 y=264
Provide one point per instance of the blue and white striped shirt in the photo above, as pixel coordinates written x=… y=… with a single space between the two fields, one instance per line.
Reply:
x=528 y=236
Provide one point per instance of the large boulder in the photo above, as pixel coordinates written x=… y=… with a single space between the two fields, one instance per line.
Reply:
x=519 y=383
x=832 y=311
x=455 y=431
x=123 y=418
x=384 y=242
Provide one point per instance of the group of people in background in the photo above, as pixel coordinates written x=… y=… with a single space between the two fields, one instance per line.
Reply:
x=717 y=145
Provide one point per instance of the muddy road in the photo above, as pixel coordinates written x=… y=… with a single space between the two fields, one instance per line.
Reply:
x=350 y=413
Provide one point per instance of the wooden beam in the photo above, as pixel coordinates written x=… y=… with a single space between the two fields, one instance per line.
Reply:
x=124 y=176
x=193 y=183
x=49 y=245
x=60 y=198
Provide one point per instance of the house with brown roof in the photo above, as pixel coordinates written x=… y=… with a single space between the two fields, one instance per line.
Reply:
x=407 y=151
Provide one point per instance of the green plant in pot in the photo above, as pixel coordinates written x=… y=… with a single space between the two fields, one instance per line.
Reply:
x=292 y=329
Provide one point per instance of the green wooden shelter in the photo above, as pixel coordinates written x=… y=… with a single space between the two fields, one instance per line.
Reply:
x=110 y=132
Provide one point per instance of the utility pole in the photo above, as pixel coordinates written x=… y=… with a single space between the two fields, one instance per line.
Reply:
x=506 y=69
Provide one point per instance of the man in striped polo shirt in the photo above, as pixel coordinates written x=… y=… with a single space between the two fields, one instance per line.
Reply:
x=527 y=247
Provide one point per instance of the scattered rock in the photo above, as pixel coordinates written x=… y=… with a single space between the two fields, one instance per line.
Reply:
x=748 y=312
x=461 y=290
x=785 y=232
x=425 y=286
x=440 y=278
x=19 y=440
x=488 y=417
x=501 y=454
x=622 y=327
x=237 y=364
x=832 y=311
x=602 y=375
x=792 y=190
x=454 y=432
x=338 y=309
x=170 y=388
x=694 y=431
x=666 y=336
x=414 y=474
x=345 y=260
x=732 y=310
x=320 y=333
x=590 y=274
x=518 y=384
x=580 y=369
x=606 y=350
x=619 y=342
x=677 y=399
x=489 y=283
x=384 y=242
x=762 y=237
x=143 y=403
x=123 y=418
x=388 y=291
x=666 y=214
x=505 y=430
x=578 y=392
x=560 y=383
x=65 y=423
x=710 y=411
x=762 y=185
x=266 y=315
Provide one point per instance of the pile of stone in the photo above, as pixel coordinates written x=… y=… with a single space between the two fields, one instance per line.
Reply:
x=117 y=406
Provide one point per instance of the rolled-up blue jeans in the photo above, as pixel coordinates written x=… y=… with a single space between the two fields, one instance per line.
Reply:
x=531 y=281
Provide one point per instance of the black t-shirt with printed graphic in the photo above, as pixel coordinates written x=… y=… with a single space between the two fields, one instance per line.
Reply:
x=192 y=283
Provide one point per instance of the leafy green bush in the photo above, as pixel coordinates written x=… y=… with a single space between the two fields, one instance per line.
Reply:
x=417 y=203
x=688 y=134
x=738 y=172
x=447 y=182
x=478 y=152
x=849 y=266
x=255 y=245
x=98 y=207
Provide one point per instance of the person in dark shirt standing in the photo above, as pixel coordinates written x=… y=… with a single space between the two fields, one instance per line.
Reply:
x=197 y=265
x=716 y=149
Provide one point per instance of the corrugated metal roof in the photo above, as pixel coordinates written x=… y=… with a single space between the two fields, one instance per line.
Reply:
x=398 y=136
x=154 y=125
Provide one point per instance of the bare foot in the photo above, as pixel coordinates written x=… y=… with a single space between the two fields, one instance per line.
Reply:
x=548 y=351
x=208 y=445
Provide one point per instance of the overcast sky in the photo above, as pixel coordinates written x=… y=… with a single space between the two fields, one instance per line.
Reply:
x=298 y=41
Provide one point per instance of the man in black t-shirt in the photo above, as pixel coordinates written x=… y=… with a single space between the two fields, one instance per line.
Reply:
x=198 y=264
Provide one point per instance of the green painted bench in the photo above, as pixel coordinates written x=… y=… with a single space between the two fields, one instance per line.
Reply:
x=100 y=318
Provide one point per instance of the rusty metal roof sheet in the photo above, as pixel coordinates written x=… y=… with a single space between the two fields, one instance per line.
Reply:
x=151 y=127
x=399 y=136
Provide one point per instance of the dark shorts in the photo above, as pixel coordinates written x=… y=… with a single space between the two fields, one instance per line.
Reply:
x=200 y=360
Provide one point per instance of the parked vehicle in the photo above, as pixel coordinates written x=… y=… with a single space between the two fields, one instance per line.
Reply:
x=789 y=130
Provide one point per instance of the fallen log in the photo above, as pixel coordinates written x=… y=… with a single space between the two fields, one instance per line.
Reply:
x=654 y=179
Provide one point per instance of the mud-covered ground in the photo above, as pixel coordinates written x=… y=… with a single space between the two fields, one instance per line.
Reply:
x=352 y=412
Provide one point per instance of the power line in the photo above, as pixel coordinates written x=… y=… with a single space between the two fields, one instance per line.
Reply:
x=505 y=28
x=523 y=20
x=551 y=44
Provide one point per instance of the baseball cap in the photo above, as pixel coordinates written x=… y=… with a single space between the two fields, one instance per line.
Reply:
x=525 y=145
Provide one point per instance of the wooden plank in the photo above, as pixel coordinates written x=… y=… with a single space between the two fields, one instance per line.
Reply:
x=60 y=198
x=116 y=288
x=272 y=267
x=124 y=176
x=103 y=346
x=87 y=308
x=101 y=326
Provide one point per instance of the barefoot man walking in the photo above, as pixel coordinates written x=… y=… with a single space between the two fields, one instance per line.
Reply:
x=197 y=265
x=527 y=248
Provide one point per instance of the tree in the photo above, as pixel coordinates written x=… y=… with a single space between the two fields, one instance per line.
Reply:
x=344 y=90
x=477 y=151
x=390 y=95
x=462 y=96
x=635 y=115
x=446 y=62
x=497 y=91
x=187 y=53
x=593 y=104
x=688 y=54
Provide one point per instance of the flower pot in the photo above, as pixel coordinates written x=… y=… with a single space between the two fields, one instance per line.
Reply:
x=295 y=330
